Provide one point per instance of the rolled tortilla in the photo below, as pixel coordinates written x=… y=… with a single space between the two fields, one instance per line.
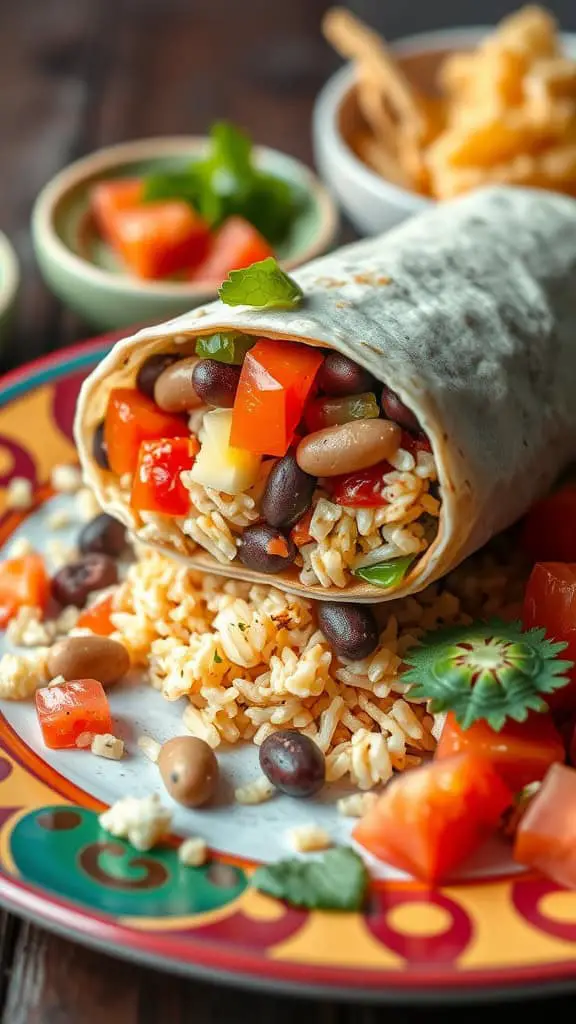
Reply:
x=468 y=312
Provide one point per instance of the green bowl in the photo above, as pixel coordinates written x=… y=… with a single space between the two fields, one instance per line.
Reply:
x=84 y=273
x=9 y=282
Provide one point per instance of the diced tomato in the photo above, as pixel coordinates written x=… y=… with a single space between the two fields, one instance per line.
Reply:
x=97 y=617
x=549 y=530
x=428 y=821
x=235 y=245
x=132 y=418
x=276 y=379
x=300 y=533
x=415 y=443
x=23 y=581
x=160 y=238
x=362 y=489
x=546 y=835
x=550 y=602
x=521 y=752
x=109 y=198
x=157 y=486
x=66 y=711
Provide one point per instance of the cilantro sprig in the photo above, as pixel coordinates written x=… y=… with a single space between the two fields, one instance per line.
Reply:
x=226 y=182
x=337 y=880
x=263 y=285
x=489 y=670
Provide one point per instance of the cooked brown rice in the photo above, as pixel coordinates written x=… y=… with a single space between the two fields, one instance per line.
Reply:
x=251 y=660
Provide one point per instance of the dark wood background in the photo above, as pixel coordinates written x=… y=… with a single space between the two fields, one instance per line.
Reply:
x=76 y=75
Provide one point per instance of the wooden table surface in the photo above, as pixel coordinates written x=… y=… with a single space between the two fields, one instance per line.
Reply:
x=76 y=75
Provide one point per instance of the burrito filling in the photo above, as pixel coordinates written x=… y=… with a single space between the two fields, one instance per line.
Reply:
x=275 y=453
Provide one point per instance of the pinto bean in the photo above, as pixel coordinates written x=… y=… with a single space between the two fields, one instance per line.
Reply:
x=88 y=657
x=348 y=448
x=174 y=390
x=189 y=770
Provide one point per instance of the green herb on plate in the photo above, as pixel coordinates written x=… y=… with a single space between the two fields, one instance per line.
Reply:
x=263 y=285
x=226 y=182
x=337 y=880
x=226 y=347
x=385 y=574
x=489 y=670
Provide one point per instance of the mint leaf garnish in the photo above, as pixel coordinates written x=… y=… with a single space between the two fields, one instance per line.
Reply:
x=490 y=670
x=385 y=574
x=263 y=285
x=335 y=881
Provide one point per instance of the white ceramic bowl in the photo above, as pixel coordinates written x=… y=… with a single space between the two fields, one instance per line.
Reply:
x=372 y=203
x=9 y=282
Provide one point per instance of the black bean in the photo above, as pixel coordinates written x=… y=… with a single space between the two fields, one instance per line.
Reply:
x=288 y=493
x=151 y=369
x=100 y=448
x=103 y=535
x=216 y=383
x=350 y=629
x=293 y=763
x=395 y=409
x=265 y=549
x=339 y=375
x=74 y=582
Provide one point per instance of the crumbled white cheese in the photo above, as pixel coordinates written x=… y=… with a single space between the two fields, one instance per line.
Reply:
x=149 y=747
x=87 y=505
x=59 y=519
x=21 y=676
x=439 y=722
x=19 y=494
x=59 y=681
x=356 y=805
x=109 y=746
x=143 y=821
x=20 y=547
x=256 y=792
x=193 y=852
x=60 y=554
x=66 y=479
x=309 y=838
x=26 y=628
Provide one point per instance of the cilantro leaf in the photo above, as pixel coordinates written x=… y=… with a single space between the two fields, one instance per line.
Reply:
x=385 y=574
x=336 y=881
x=488 y=670
x=226 y=182
x=263 y=285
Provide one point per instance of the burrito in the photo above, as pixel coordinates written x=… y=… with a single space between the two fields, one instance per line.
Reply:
x=420 y=395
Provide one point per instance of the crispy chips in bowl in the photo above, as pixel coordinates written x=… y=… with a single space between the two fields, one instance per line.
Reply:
x=502 y=113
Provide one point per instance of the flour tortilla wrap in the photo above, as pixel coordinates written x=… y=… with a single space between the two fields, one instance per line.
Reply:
x=468 y=312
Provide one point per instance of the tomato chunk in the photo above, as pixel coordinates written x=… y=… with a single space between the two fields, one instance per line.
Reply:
x=157 y=486
x=97 y=617
x=276 y=380
x=428 y=821
x=159 y=238
x=550 y=602
x=66 y=711
x=109 y=198
x=236 y=244
x=23 y=581
x=521 y=752
x=362 y=489
x=546 y=835
x=132 y=418
x=549 y=530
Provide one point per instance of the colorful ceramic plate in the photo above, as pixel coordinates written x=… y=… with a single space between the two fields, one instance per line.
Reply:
x=497 y=931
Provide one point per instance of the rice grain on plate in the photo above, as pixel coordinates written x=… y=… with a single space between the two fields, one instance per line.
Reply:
x=250 y=660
